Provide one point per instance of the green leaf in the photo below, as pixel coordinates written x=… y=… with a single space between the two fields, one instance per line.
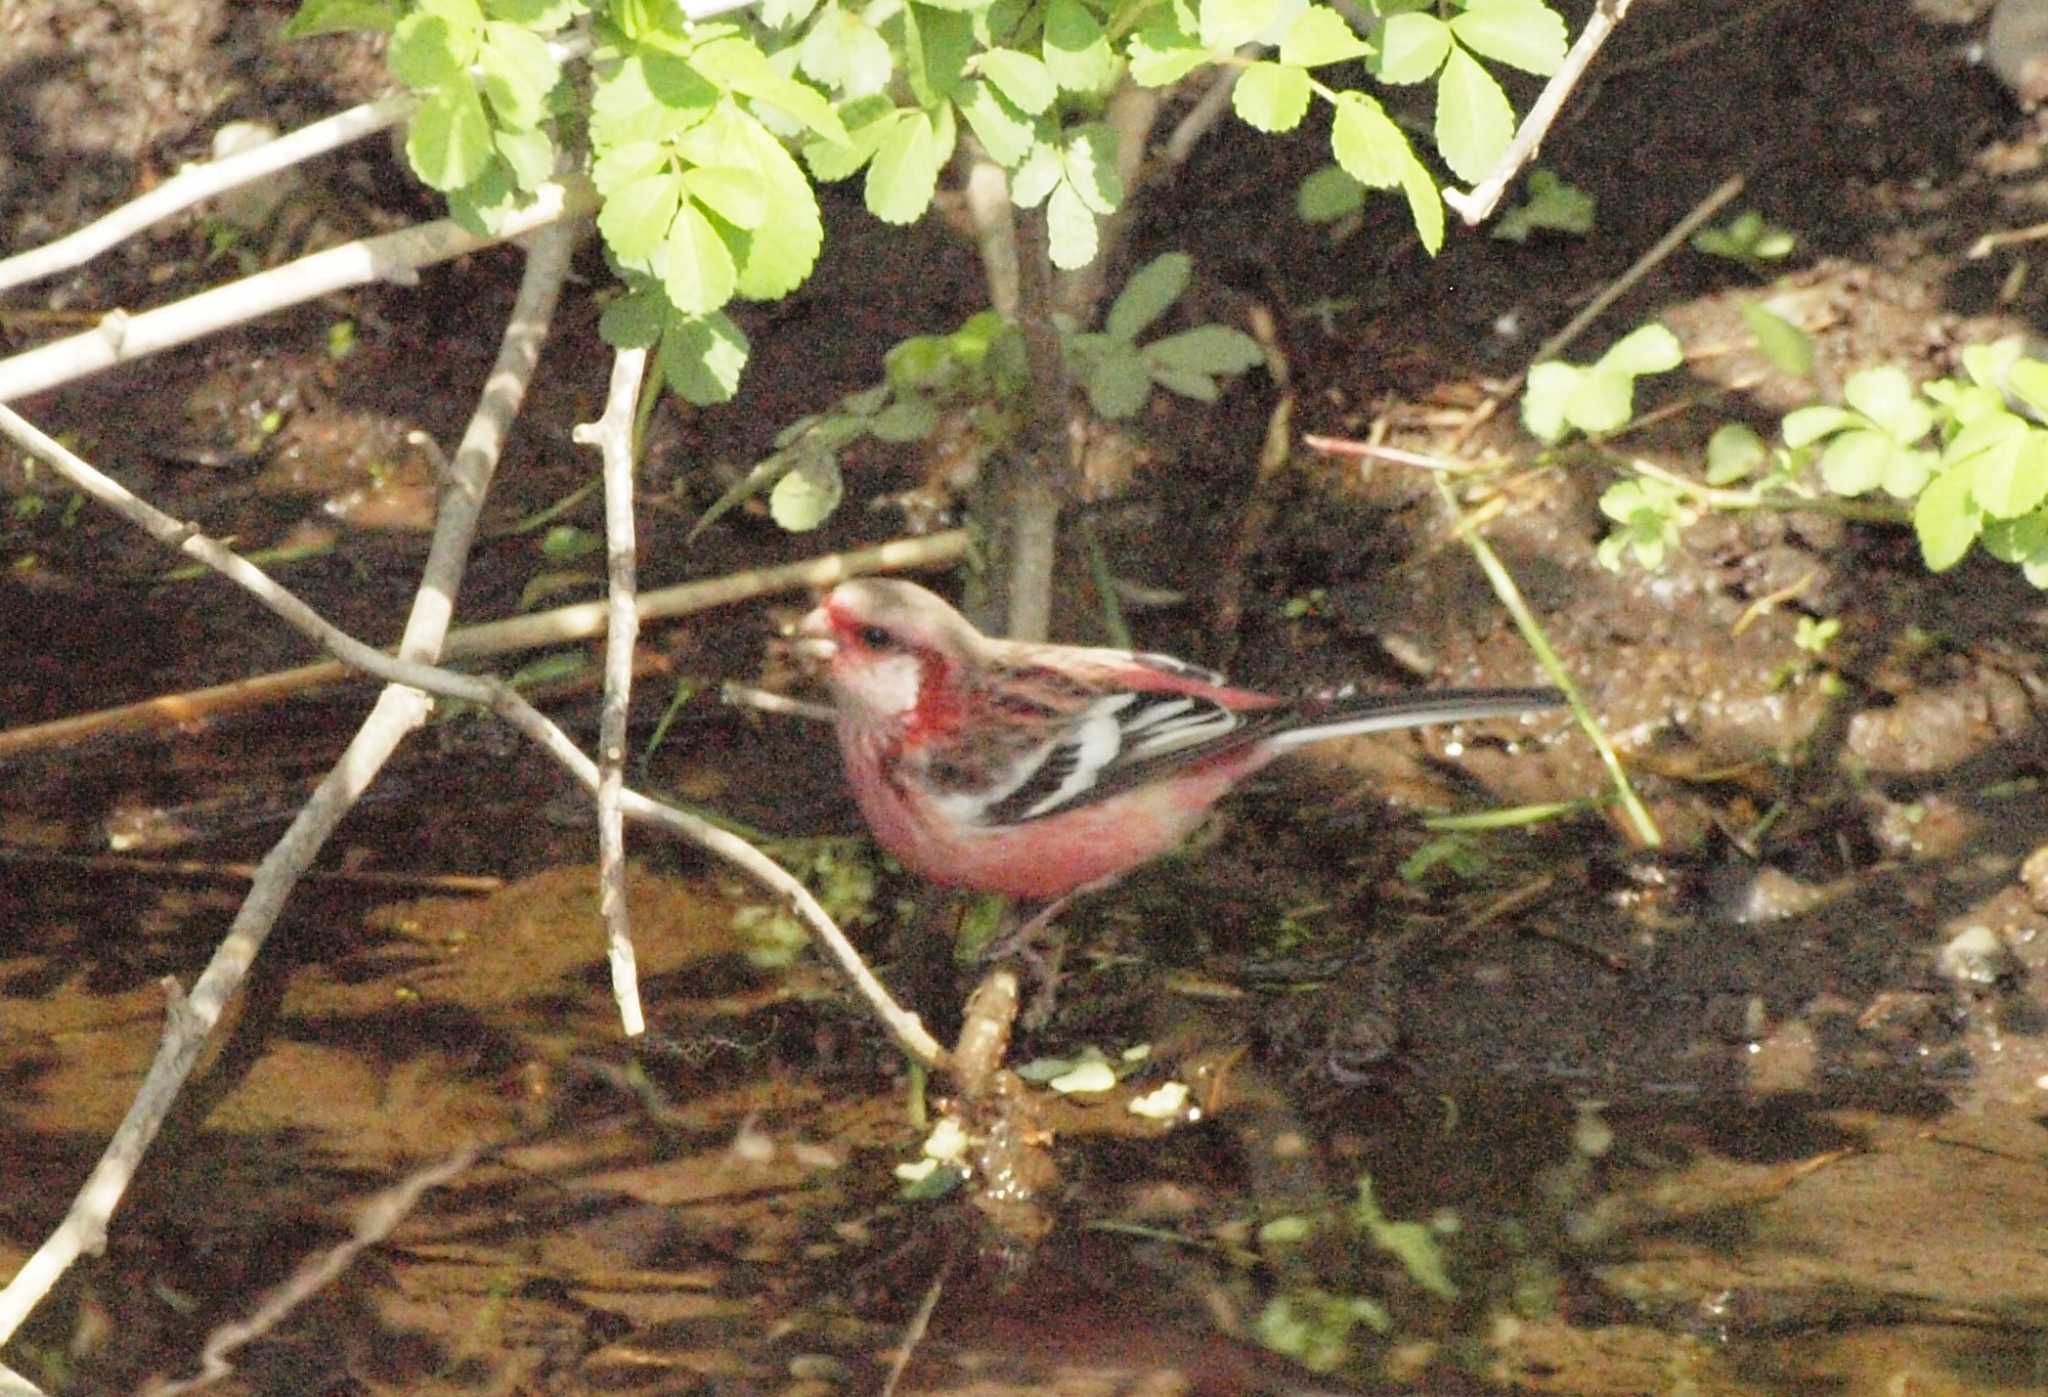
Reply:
x=1990 y=365
x=1647 y=349
x=1162 y=56
x=1366 y=142
x=737 y=63
x=1320 y=35
x=1551 y=204
x=1271 y=96
x=530 y=155
x=2028 y=379
x=449 y=141
x=1425 y=203
x=1328 y=195
x=635 y=320
x=564 y=543
x=806 y=497
x=1886 y=397
x=1806 y=425
x=2023 y=540
x=1149 y=294
x=1206 y=349
x=541 y=16
x=1906 y=472
x=1088 y=163
x=905 y=420
x=703 y=357
x=1733 y=452
x=1789 y=348
x=1854 y=462
x=697 y=268
x=648 y=97
x=1947 y=519
x=1550 y=385
x=732 y=192
x=518 y=73
x=1037 y=177
x=1474 y=122
x=843 y=51
x=867 y=122
x=905 y=171
x=1004 y=132
x=782 y=250
x=1186 y=383
x=786 y=14
x=2006 y=457
x=341 y=16
x=1026 y=81
x=1520 y=33
x=1077 y=55
x=936 y=46
x=427 y=56
x=1230 y=24
x=1070 y=229
x=1117 y=382
x=1412 y=48
x=636 y=218
x=1602 y=401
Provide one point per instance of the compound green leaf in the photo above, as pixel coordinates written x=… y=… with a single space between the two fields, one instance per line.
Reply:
x=1004 y=132
x=1088 y=161
x=518 y=73
x=637 y=216
x=733 y=192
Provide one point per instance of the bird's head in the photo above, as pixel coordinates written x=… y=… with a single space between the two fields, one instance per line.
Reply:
x=891 y=648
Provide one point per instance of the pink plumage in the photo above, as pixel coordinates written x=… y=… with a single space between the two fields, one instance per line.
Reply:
x=1041 y=771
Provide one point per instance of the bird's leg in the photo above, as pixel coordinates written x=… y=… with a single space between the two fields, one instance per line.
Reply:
x=1041 y=947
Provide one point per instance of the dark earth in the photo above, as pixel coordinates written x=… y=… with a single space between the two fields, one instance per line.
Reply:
x=1760 y=1110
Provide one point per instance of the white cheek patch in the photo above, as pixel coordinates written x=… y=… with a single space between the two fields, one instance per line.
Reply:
x=891 y=686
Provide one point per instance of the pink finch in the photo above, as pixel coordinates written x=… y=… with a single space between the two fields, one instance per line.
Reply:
x=1042 y=771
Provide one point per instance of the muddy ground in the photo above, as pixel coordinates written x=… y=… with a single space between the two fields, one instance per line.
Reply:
x=1718 y=1117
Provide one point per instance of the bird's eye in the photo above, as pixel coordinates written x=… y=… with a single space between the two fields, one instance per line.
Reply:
x=875 y=638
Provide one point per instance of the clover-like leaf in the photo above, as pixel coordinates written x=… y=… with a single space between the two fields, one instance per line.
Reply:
x=1734 y=451
x=1886 y=397
x=1946 y=518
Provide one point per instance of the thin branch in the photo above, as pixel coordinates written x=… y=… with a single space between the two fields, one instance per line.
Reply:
x=561 y=626
x=398 y=711
x=613 y=436
x=121 y=337
x=375 y=1221
x=1475 y=207
x=197 y=183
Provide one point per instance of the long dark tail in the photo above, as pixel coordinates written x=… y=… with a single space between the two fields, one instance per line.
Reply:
x=1346 y=714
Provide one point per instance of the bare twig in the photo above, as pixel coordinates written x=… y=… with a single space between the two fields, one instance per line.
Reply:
x=746 y=696
x=613 y=435
x=562 y=625
x=1476 y=206
x=374 y=1222
x=460 y=883
x=398 y=711
x=197 y=183
x=120 y=337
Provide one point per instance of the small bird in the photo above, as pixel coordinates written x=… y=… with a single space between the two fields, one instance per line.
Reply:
x=1044 y=771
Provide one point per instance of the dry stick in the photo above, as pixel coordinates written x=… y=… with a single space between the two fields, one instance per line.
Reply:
x=196 y=183
x=375 y=1221
x=1476 y=206
x=463 y=883
x=567 y=623
x=398 y=711
x=121 y=337
x=612 y=434
x=190 y=1021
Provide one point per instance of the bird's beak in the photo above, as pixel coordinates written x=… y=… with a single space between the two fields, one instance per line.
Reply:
x=814 y=636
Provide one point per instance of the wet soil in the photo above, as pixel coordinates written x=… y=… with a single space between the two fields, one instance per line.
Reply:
x=1760 y=1111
